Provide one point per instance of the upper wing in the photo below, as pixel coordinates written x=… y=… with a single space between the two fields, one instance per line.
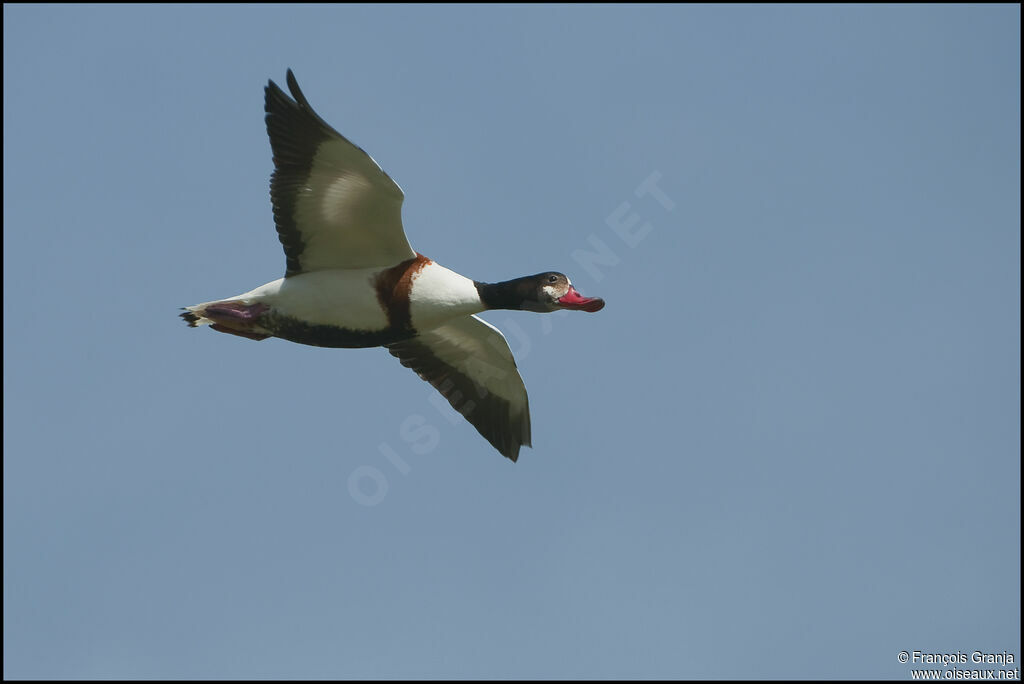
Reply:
x=468 y=361
x=333 y=205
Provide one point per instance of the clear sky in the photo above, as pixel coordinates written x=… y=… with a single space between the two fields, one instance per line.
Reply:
x=788 y=447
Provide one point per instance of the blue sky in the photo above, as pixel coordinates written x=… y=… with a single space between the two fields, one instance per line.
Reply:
x=788 y=447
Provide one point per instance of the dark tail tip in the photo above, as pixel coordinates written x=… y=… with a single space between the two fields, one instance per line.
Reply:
x=190 y=318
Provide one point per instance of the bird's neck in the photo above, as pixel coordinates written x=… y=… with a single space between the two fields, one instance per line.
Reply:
x=508 y=294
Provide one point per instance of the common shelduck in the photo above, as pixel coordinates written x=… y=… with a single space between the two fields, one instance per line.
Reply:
x=352 y=280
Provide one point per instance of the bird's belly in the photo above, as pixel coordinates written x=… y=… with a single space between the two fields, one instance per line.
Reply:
x=344 y=299
x=336 y=308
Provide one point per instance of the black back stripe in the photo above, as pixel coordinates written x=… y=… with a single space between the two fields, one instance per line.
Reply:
x=320 y=335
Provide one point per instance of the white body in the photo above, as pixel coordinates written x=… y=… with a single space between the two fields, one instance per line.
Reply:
x=348 y=298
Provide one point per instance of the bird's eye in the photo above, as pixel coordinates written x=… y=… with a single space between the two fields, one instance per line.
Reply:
x=553 y=279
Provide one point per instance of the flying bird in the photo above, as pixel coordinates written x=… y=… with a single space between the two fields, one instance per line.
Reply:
x=352 y=280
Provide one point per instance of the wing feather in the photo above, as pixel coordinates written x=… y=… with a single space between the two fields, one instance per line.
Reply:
x=333 y=205
x=469 y=362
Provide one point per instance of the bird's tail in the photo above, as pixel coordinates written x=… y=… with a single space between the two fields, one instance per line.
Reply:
x=229 y=316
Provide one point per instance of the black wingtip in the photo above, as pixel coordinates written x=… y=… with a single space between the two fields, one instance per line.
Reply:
x=270 y=92
x=293 y=86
